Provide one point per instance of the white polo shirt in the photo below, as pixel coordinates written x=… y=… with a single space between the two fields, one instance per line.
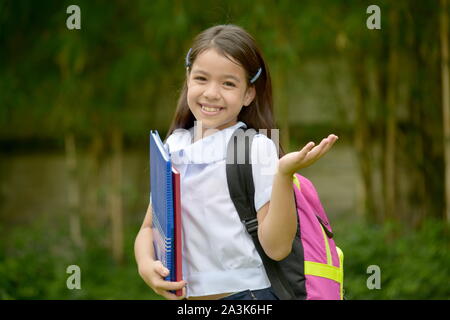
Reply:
x=218 y=254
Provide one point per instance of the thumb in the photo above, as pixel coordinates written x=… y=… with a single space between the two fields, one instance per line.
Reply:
x=161 y=270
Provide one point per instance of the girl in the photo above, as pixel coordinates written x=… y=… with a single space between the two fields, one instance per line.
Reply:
x=227 y=87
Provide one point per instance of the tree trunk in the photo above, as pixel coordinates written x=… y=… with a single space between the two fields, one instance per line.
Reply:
x=281 y=104
x=413 y=176
x=361 y=140
x=116 y=195
x=73 y=192
x=391 y=124
x=445 y=102
x=93 y=208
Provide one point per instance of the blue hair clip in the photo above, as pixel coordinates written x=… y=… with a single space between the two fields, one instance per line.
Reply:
x=256 y=76
x=188 y=60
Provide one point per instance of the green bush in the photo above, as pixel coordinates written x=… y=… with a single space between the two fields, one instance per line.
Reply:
x=34 y=259
x=413 y=263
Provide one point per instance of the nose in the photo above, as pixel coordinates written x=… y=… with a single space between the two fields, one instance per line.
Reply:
x=212 y=91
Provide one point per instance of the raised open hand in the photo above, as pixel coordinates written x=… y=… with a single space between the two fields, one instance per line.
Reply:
x=294 y=161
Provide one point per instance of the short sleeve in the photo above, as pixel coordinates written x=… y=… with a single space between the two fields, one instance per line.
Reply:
x=264 y=167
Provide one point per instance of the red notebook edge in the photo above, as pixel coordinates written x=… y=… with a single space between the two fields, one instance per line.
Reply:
x=177 y=231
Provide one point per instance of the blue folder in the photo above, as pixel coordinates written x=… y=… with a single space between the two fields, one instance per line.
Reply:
x=163 y=207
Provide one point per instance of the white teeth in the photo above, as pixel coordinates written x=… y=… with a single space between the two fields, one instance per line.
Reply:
x=210 y=109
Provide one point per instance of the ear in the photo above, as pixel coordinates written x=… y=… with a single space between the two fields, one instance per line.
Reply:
x=249 y=95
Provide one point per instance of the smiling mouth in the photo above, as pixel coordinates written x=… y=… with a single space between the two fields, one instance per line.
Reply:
x=210 y=110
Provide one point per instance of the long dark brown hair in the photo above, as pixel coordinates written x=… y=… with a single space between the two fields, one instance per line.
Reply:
x=233 y=41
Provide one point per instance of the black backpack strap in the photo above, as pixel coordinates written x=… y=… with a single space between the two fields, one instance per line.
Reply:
x=242 y=193
x=240 y=177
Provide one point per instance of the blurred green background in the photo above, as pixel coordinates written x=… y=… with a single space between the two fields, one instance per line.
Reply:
x=76 y=107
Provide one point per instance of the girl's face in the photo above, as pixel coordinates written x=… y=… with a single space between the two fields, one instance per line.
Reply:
x=217 y=90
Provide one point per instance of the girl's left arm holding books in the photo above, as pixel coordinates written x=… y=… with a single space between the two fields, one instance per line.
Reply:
x=152 y=271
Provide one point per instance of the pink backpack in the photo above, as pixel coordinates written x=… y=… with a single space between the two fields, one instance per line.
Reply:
x=314 y=268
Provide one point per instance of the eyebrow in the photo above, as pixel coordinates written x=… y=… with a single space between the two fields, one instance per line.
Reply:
x=225 y=76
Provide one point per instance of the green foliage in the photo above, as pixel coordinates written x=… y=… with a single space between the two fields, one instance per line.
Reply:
x=125 y=66
x=413 y=264
x=124 y=69
x=34 y=259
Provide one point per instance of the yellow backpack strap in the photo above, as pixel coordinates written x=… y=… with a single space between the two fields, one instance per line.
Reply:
x=296 y=182
x=327 y=246
x=322 y=270
x=341 y=270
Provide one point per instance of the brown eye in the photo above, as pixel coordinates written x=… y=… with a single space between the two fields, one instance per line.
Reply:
x=230 y=84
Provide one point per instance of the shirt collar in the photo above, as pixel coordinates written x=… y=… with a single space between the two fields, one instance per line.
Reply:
x=206 y=150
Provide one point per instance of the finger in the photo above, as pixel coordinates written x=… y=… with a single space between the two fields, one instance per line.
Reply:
x=307 y=148
x=161 y=270
x=322 y=148
x=313 y=154
x=164 y=290
x=170 y=285
x=171 y=296
x=331 y=140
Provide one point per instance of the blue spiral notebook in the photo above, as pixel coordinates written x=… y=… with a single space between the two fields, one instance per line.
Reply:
x=165 y=199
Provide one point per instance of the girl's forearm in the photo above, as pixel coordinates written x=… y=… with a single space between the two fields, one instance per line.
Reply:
x=278 y=229
x=143 y=248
